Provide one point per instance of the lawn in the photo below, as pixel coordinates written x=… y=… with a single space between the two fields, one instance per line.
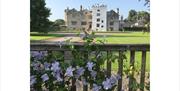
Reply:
x=138 y=56
x=126 y=38
x=41 y=37
x=37 y=36
x=116 y=37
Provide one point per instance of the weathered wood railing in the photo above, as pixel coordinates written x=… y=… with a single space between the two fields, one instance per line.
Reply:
x=52 y=46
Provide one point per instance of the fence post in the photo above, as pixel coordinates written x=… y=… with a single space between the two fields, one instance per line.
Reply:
x=120 y=70
x=143 y=69
x=132 y=57
x=108 y=64
x=85 y=87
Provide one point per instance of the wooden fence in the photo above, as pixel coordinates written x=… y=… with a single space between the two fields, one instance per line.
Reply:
x=143 y=48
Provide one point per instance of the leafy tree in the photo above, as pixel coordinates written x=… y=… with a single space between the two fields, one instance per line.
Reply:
x=56 y=25
x=140 y=15
x=59 y=22
x=147 y=3
x=143 y=15
x=39 y=16
x=132 y=16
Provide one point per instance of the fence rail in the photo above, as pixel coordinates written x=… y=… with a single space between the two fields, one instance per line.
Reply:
x=104 y=47
x=143 y=48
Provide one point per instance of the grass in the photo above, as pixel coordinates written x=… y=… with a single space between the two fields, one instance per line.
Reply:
x=137 y=61
x=116 y=37
x=127 y=38
x=38 y=36
x=41 y=37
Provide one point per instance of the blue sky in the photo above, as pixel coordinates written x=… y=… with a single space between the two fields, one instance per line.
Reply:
x=58 y=6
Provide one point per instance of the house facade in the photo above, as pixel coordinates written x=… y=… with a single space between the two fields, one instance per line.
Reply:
x=75 y=19
x=98 y=16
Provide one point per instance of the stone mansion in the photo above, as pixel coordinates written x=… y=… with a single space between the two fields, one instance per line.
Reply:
x=97 y=16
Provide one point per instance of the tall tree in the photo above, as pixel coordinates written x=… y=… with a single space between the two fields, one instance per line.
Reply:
x=147 y=3
x=132 y=16
x=56 y=26
x=143 y=15
x=59 y=22
x=39 y=16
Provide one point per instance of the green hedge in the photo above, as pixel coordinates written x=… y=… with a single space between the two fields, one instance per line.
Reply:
x=133 y=29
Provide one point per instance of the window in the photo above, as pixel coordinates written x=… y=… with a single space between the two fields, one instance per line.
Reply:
x=111 y=23
x=98 y=19
x=73 y=22
x=98 y=10
x=121 y=25
x=83 y=23
x=102 y=26
x=102 y=21
x=97 y=25
x=98 y=14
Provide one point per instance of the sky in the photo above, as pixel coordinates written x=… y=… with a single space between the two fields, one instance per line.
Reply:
x=58 y=6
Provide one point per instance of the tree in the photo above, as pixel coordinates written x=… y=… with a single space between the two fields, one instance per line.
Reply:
x=58 y=25
x=143 y=15
x=39 y=16
x=132 y=16
x=147 y=3
x=59 y=22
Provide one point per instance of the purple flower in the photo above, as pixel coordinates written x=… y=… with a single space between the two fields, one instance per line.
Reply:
x=80 y=71
x=32 y=80
x=34 y=53
x=90 y=65
x=93 y=73
x=84 y=82
x=55 y=66
x=59 y=78
x=107 y=84
x=69 y=71
x=57 y=75
x=38 y=55
x=36 y=65
x=46 y=66
x=96 y=87
x=113 y=80
x=45 y=77
x=118 y=77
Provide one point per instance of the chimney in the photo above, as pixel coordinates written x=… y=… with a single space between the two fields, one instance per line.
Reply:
x=121 y=17
x=118 y=11
x=81 y=8
x=66 y=10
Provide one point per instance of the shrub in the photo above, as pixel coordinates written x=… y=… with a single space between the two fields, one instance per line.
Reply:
x=134 y=28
